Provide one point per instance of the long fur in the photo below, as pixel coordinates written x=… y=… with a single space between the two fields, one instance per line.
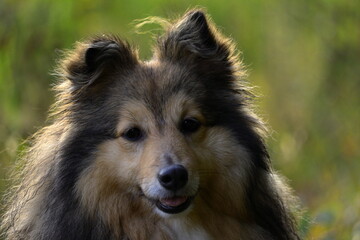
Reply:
x=67 y=190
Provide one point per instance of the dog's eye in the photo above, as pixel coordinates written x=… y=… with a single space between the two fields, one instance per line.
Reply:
x=190 y=125
x=133 y=134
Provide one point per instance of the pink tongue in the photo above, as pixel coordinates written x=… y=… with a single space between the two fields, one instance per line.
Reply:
x=173 y=202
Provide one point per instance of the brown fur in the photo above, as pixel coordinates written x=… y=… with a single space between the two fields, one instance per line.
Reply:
x=84 y=180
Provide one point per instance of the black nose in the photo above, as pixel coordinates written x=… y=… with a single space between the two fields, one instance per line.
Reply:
x=173 y=177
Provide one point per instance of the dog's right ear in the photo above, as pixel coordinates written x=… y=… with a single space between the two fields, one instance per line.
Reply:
x=93 y=60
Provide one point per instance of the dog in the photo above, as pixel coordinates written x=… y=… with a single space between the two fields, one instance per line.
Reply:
x=168 y=148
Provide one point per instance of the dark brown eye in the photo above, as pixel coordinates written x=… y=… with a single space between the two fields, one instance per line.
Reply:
x=133 y=134
x=190 y=125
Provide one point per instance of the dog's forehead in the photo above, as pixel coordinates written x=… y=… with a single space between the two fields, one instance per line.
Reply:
x=155 y=82
x=162 y=88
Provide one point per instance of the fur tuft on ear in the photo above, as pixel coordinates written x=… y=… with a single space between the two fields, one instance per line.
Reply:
x=194 y=36
x=94 y=59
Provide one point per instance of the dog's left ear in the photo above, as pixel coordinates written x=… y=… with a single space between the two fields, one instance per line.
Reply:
x=195 y=40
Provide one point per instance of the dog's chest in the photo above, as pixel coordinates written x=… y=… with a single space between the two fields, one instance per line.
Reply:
x=184 y=231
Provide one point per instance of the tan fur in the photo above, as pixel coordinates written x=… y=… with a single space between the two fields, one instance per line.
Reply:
x=111 y=185
x=29 y=194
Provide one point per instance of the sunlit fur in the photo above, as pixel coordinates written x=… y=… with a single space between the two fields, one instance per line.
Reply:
x=82 y=179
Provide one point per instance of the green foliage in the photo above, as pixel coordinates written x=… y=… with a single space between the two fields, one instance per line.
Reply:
x=303 y=55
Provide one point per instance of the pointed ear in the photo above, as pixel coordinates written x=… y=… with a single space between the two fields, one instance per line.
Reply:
x=194 y=37
x=92 y=60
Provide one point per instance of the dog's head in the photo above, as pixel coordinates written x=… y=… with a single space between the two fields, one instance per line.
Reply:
x=172 y=133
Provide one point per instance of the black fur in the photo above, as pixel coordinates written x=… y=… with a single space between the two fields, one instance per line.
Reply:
x=62 y=216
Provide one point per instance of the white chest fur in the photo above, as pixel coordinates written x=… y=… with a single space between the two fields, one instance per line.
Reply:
x=182 y=230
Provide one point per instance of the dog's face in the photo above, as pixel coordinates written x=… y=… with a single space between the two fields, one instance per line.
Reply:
x=178 y=136
x=167 y=148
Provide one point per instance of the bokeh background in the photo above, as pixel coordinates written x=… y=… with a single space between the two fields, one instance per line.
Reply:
x=303 y=56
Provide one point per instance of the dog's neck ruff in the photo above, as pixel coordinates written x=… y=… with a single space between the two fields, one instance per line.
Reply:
x=182 y=230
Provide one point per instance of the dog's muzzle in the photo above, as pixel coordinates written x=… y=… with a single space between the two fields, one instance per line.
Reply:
x=173 y=178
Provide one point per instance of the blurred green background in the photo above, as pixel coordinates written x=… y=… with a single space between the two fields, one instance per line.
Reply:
x=304 y=56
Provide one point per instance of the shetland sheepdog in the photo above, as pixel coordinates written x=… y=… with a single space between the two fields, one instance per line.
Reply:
x=168 y=148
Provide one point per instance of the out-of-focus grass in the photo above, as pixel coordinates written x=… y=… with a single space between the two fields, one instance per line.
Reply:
x=303 y=55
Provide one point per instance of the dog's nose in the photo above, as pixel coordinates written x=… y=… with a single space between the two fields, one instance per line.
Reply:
x=173 y=177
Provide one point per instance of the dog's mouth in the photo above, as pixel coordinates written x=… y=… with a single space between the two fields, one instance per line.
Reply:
x=174 y=205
